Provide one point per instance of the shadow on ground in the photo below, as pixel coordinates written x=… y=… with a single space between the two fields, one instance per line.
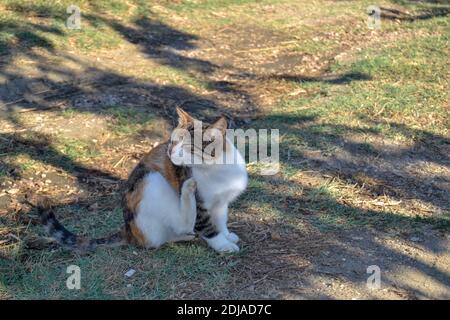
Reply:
x=425 y=12
x=279 y=262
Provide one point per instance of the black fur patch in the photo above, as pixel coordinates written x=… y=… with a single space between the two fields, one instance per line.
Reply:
x=183 y=173
x=68 y=239
x=203 y=224
x=136 y=176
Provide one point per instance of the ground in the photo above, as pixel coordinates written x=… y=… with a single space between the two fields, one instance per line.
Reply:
x=363 y=116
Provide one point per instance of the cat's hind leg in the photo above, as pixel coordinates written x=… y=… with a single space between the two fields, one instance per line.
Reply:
x=183 y=238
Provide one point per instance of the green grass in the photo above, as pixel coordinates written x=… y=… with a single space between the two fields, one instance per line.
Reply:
x=210 y=5
x=28 y=24
x=159 y=273
x=401 y=97
x=75 y=149
x=403 y=89
x=3 y=172
x=288 y=201
x=128 y=120
x=401 y=100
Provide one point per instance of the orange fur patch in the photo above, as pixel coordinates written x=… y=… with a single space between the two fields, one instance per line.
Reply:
x=137 y=236
x=134 y=198
x=157 y=160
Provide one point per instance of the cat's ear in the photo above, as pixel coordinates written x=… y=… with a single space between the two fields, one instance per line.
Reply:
x=183 y=117
x=220 y=124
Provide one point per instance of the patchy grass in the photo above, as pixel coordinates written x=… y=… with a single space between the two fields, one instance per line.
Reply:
x=363 y=117
x=76 y=149
x=160 y=274
x=394 y=96
x=401 y=100
x=42 y=23
x=128 y=120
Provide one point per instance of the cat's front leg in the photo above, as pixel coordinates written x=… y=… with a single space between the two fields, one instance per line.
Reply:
x=211 y=224
x=188 y=208
x=220 y=217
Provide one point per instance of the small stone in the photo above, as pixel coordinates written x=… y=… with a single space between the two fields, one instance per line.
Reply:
x=275 y=236
x=43 y=175
x=12 y=191
x=130 y=273
x=93 y=206
x=415 y=239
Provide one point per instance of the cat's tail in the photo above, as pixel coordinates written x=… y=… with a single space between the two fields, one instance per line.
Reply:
x=69 y=240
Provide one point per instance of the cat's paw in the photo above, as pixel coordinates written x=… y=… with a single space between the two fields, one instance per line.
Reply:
x=221 y=244
x=233 y=237
x=227 y=247
x=189 y=186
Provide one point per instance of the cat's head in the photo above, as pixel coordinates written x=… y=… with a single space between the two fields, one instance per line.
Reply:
x=194 y=142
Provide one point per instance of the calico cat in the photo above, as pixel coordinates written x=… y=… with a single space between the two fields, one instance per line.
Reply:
x=168 y=197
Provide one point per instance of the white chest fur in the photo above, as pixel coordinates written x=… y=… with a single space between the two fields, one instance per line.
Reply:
x=221 y=183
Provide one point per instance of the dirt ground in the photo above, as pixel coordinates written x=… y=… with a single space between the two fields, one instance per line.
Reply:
x=58 y=119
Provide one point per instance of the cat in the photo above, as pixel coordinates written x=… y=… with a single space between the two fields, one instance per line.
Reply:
x=177 y=190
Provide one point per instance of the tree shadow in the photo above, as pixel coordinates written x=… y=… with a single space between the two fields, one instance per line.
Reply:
x=382 y=171
x=424 y=13
x=307 y=246
x=160 y=43
x=342 y=79
x=92 y=91
x=39 y=147
x=19 y=91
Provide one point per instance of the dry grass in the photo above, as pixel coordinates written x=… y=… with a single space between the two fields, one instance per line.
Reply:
x=364 y=151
